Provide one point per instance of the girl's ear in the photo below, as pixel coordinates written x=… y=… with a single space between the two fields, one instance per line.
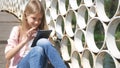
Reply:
x=25 y=17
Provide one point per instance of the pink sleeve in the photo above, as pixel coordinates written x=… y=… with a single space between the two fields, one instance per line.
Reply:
x=13 y=39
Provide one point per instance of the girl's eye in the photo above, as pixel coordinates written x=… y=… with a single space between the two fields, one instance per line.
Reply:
x=34 y=18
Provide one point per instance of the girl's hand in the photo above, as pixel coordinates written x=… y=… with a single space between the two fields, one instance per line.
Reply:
x=29 y=34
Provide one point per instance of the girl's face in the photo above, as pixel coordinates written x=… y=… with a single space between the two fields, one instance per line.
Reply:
x=34 y=20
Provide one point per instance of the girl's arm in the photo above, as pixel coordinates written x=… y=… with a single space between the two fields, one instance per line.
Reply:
x=28 y=35
x=14 y=50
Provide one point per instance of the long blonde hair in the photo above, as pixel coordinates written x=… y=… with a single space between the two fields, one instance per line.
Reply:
x=34 y=6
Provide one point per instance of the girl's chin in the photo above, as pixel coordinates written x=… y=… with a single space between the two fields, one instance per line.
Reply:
x=33 y=26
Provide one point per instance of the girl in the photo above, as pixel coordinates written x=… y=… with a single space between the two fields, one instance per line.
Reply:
x=19 y=53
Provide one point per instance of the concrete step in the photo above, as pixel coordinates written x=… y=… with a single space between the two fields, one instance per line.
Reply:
x=2 y=56
x=7 y=21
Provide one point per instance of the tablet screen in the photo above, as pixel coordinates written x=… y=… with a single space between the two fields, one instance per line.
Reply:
x=41 y=34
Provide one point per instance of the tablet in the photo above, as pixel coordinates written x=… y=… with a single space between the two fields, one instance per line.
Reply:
x=41 y=34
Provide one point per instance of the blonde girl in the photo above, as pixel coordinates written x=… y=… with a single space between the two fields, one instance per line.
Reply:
x=18 y=51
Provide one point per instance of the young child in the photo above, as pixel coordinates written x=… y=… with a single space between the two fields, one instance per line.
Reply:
x=19 y=53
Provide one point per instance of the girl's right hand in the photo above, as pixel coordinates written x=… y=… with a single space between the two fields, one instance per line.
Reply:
x=29 y=34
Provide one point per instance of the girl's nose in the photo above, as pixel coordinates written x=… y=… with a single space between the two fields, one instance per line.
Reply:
x=36 y=22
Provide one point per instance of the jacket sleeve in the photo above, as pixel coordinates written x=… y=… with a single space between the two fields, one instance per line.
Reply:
x=13 y=39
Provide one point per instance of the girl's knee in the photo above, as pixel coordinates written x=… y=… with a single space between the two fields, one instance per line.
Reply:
x=37 y=50
x=43 y=42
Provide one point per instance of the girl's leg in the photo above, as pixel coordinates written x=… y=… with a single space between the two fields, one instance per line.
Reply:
x=51 y=53
x=35 y=59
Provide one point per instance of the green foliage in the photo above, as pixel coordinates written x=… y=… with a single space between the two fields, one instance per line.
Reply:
x=110 y=7
x=99 y=34
x=117 y=36
x=108 y=62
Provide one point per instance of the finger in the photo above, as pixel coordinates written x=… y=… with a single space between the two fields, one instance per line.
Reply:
x=32 y=30
x=33 y=33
